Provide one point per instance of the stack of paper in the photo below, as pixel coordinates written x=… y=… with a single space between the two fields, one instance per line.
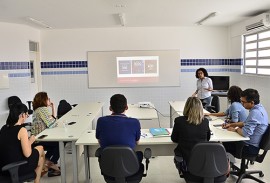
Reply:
x=156 y=132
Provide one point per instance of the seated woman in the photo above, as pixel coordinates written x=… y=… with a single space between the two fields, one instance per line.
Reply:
x=42 y=119
x=16 y=146
x=236 y=112
x=189 y=129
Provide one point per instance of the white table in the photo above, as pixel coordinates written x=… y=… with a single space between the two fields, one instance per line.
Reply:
x=141 y=113
x=83 y=114
x=148 y=117
x=160 y=146
x=176 y=109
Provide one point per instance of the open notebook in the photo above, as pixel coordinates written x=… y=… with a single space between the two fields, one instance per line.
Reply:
x=160 y=132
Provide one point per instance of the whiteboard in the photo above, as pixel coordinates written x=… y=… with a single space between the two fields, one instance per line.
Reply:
x=136 y=68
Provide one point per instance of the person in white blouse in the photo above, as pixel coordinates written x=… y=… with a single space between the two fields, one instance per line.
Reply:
x=204 y=87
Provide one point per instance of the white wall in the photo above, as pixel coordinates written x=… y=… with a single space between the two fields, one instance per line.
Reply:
x=72 y=45
x=260 y=83
x=14 y=47
x=68 y=45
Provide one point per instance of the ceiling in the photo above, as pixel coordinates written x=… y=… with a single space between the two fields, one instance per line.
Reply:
x=74 y=14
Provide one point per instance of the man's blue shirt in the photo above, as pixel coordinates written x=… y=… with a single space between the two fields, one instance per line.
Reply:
x=255 y=125
x=118 y=130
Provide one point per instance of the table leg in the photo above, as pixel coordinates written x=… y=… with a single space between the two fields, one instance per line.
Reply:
x=75 y=162
x=62 y=161
x=171 y=120
x=86 y=164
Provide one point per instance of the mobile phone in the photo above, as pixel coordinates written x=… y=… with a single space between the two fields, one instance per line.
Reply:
x=218 y=125
x=71 y=123
x=42 y=136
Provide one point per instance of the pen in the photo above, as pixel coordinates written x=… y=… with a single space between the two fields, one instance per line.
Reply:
x=144 y=135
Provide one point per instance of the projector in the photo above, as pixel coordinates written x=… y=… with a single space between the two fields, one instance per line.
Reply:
x=145 y=104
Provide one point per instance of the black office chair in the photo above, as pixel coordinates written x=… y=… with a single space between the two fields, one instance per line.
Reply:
x=63 y=108
x=14 y=100
x=119 y=164
x=215 y=105
x=208 y=164
x=242 y=172
x=30 y=111
x=13 y=171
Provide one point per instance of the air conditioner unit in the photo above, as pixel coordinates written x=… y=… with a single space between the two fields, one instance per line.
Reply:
x=261 y=21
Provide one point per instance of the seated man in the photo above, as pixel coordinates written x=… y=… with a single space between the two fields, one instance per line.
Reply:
x=117 y=128
x=253 y=127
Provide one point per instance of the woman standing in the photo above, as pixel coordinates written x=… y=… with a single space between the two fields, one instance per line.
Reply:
x=204 y=87
x=236 y=112
x=16 y=146
x=43 y=119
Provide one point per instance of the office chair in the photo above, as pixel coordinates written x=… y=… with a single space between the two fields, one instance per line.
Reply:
x=30 y=111
x=119 y=164
x=13 y=171
x=14 y=100
x=208 y=163
x=215 y=105
x=242 y=172
x=63 y=108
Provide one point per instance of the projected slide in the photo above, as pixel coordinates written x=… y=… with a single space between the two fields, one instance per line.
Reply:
x=141 y=69
x=133 y=68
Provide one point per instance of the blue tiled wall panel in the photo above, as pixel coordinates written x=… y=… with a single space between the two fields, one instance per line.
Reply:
x=59 y=65
x=18 y=75
x=63 y=72
x=14 y=65
x=191 y=62
x=64 y=64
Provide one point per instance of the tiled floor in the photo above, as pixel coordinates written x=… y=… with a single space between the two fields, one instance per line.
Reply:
x=161 y=170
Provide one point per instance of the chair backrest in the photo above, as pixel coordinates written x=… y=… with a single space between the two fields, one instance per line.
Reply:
x=119 y=162
x=265 y=141
x=63 y=108
x=264 y=145
x=208 y=160
x=13 y=100
x=215 y=102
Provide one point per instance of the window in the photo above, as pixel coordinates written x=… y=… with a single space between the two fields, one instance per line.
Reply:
x=257 y=53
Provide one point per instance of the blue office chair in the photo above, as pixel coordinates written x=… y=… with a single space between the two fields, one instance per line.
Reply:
x=119 y=164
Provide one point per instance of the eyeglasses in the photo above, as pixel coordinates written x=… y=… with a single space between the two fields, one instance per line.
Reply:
x=244 y=102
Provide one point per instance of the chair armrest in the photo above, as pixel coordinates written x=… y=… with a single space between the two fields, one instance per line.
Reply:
x=13 y=165
x=98 y=152
x=13 y=169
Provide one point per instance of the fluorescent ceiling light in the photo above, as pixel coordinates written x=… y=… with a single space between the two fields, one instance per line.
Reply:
x=122 y=18
x=213 y=14
x=40 y=23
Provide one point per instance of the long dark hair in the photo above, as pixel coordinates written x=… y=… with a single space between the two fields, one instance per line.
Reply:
x=15 y=111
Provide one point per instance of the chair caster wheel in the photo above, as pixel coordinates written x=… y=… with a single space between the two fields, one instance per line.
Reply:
x=261 y=174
